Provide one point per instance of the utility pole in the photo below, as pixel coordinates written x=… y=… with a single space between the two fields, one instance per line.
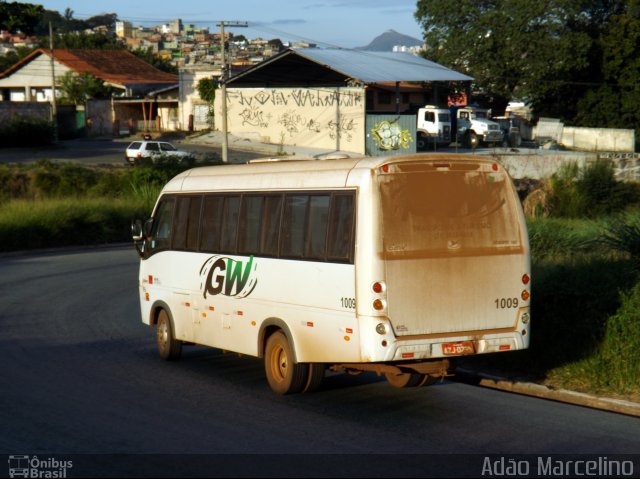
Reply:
x=223 y=87
x=54 y=109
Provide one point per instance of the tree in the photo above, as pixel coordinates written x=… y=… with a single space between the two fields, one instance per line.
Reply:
x=615 y=102
x=67 y=24
x=17 y=16
x=152 y=59
x=76 y=88
x=207 y=90
x=11 y=58
x=512 y=48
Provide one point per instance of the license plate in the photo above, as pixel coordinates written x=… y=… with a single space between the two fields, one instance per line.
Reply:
x=458 y=348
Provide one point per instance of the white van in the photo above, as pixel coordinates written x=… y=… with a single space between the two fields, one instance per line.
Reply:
x=386 y=264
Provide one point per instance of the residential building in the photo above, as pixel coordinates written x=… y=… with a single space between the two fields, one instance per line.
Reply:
x=144 y=92
x=194 y=112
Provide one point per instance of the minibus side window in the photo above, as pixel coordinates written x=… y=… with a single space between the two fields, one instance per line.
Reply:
x=340 y=240
x=180 y=222
x=271 y=225
x=186 y=223
x=161 y=231
x=317 y=231
x=292 y=237
x=211 y=223
x=230 y=214
x=250 y=219
x=194 y=223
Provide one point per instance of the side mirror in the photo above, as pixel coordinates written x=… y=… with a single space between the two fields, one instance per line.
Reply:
x=136 y=230
x=140 y=232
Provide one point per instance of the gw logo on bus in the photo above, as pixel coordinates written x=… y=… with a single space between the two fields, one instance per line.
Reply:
x=227 y=276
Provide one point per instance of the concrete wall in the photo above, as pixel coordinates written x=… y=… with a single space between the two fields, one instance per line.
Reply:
x=319 y=117
x=540 y=164
x=586 y=139
x=98 y=118
x=35 y=110
x=598 y=139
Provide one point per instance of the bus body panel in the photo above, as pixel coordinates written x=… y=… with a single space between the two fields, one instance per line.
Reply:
x=448 y=295
x=320 y=314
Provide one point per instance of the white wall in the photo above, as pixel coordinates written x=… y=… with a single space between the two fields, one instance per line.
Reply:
x=598 y=139
x=310 y=117
x=586 y=139
x=34 y=76
x=189 y=98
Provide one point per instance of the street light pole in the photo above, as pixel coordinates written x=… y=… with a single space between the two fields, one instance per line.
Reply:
x=223 y=86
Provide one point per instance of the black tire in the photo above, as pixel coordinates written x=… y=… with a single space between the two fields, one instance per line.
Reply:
x=283 y=374
x=421 y=143
x=428 y=380
x=472 y=140
x=404 y=380
x=316 y=376
x=169 y=347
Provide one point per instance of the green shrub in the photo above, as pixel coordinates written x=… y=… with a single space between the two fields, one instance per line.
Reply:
x=557 y=238
x=14 y=183
x=28 y=224
x=21 y=132
x=622 y=233
x=565 y=200
x=620 y=350
x=590 y=192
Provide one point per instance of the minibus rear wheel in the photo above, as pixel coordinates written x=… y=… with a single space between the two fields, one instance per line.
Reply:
x=283 y=374
x=404 y=380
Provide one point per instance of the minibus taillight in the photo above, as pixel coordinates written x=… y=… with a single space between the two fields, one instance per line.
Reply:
x=378 y=304
x=378 y=287
x=525 y=278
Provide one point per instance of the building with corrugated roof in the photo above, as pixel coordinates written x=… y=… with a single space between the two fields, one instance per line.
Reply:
x=337 y=99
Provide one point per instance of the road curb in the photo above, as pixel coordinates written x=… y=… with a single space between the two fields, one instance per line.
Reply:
x=619 y=406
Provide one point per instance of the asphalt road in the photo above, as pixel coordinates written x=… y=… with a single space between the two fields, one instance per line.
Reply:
x=81 y=379
x=107 y=151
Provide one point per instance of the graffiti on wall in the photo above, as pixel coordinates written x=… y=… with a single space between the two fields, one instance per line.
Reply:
x=291 y=122
x=344 y=130
x=308 y=115
x=255 y=117
x=298 y=97
x=390 y=136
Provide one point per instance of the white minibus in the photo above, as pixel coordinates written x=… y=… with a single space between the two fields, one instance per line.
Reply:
x=388 y=264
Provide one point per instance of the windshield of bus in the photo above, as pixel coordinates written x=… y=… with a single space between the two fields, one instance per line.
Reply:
x=447 y=209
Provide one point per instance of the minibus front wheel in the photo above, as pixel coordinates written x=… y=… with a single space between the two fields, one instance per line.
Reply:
x=169 y=347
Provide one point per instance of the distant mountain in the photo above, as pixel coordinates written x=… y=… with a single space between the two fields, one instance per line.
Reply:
x=389 y=39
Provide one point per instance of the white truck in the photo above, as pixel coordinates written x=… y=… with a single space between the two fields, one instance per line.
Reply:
x=433 y=127
x=474 y=127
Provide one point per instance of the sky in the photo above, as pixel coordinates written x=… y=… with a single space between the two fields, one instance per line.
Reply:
x=329 y=23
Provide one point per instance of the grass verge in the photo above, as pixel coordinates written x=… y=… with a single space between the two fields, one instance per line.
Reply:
x=30 y=224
